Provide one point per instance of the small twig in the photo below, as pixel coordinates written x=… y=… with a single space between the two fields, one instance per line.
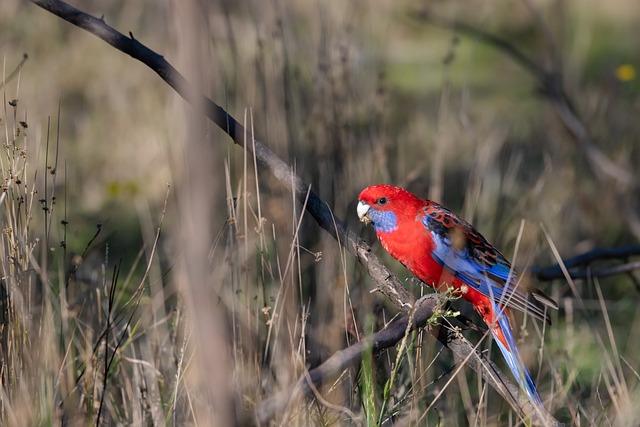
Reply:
x=316 y=394
x=15 y=72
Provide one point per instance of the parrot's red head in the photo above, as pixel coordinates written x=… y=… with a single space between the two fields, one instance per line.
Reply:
x=386 y=205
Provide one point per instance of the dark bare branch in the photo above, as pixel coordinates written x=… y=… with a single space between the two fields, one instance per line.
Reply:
x=343 y=359
x=580 y=266
x=386 y=282
x=389 y=337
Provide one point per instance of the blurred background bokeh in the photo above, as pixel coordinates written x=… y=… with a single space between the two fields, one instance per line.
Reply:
x=350 y=93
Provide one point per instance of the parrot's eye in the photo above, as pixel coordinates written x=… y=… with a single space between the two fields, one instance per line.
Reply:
x=381 y=201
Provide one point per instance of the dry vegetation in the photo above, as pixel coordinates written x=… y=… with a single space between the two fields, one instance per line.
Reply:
x=129 y=301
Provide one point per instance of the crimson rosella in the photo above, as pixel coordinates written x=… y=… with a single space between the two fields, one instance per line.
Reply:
x=446 y=252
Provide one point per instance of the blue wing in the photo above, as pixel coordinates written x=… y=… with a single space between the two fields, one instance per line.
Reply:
x=467 y=255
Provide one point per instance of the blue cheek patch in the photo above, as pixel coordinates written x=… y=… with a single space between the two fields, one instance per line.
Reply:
x=383 y=221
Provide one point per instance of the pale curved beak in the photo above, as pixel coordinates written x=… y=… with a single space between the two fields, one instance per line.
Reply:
x=363 y=209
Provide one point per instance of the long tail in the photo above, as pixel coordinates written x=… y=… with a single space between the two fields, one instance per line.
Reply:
x=512 y=356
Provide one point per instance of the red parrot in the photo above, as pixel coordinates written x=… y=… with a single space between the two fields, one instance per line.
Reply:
x=446 y=252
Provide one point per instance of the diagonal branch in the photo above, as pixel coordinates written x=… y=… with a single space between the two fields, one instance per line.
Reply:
x=386 y=282
x=345 y=359
x=387 y=338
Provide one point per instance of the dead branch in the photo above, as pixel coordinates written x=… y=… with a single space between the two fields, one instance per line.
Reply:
x=345 y=359
x=387 y=338
x=579 y=267
x=386 y=282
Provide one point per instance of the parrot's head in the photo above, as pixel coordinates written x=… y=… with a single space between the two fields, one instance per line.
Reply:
x=384 y=205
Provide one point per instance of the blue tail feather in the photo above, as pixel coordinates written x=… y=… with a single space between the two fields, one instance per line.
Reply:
x=513 y=359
